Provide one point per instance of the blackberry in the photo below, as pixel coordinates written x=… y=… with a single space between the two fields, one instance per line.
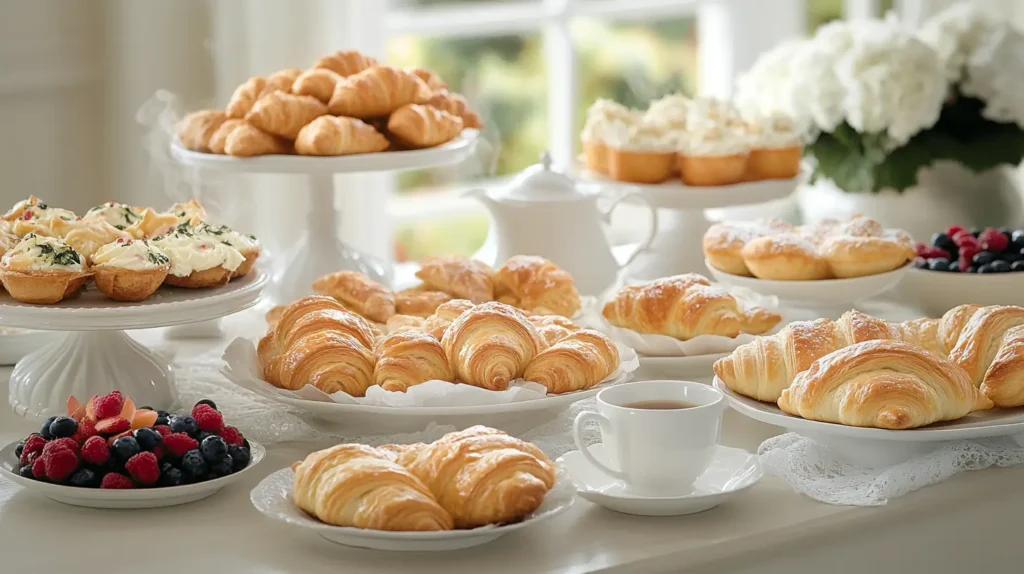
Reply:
x=126 y=447
x=212 y=404
x=239 y=458
x=20 y=448
x=63 y=427
x=85 y=478
x=222 y=467
x=44 y=431
x=183 y=423
x=147 y=438
x=214 y=448
x=193 y=464
x=26 y=471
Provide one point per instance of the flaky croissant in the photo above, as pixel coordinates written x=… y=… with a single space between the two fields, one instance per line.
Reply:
x=1003 y=382
x=360 y=486
x=377 y=92
x=283 y=114
x=490 y=345
x=358 y=293
x=418 y=126
x=409 y=357
x=334 y=136
x=575 y=363
x=883 y=384
x=456 y=105
x=219 y=139
x=983 y=339
x=534 y=283
x=419 y=301
x=553 y=328
x=245 y=96
x=346 y=62
x=433 y=81
x=196 y=129
x=281 y=81
x=436 y=324
x=317 y=82
x=247 y=140
x=458 y=276
x=283 y=318
x=330 y=361
x=401 y=322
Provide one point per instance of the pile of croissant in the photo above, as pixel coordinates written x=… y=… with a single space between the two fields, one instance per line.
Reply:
x=467 y=479
x=867 y=372
x=347 y=103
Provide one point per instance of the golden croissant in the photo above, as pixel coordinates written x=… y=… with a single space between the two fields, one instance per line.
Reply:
x=331 y=361
x=490 y=345
x=283 y=319
x=358 y=293
x=247 y=140
x=245 y=96
x=333 y=136
x=281 y=81
x=400 y=322
x=459 y=277
x=436 y=324
x=685 y=306
x=360 y=486
x=482 y=476
x=882 y=384
x=196 y=129
x=433 y=81
x=377 y=92
x=418 y=126
x=532 y=283
x=317 y=82
x=419 y=301
x=553 y=328
x=983 y=338
x=219 y=139
x=456 y=105
x=1003 y=382
x=575 y=363
x=346 y=63
x=409 y=357
x=283 y=114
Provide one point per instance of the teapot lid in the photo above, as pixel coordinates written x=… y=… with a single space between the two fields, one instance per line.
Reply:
x=540 y=182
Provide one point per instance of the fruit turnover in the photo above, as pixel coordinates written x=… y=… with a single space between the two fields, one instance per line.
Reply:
x=109 y=443
x=988 y=250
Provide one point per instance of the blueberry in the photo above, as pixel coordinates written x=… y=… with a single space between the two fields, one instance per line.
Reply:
x=222 y=467
x=983 y=258
x=942 y=241
x=201 y=435
x=193 y=464
x=63 y=427
x=239 y=458
x=147 y=438
x=976 y=231
x=920 y=263
x=999 y=266
x=85 y=478
x=160 y=421
x=212 y=404
x=182 y=423
x=163 y=414
x=126 y=447
x=246 y=445
x=986 y=268
x=214 y=448
x=26 y=471
x=954 y=266
x=973 y=269
x=938 y=264
x=44 y=431
x=1017 y=265
x=1017 y=236
x=19 y=449
x=1009 y=257
x=171 y=477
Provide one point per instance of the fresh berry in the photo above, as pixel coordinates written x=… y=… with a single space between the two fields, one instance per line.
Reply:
x=933 y=252
x=144 y=468
x=147 y=438
x=113 y=425
x=999 y=266
x=179 y=443
x=164 y=430
x=920 y=263
x=109 y=406
x=95 y=450
x=182 y=423
x=1009 y=256
x=85 y=431
x=19 y=448
x=63 y=427
x=26 y=471
x=1017 y=265
x=992 y=240
x=976 y=231
x=38 y=467
x=84 y=478
x=938 y=264
x=954 y=266
x=126 y=447
x=207 y=418
x=222 y=467
x=201 y=435
x=66 y=443
x=161 y=418
x=214 y=448
x=954 y=229
x=987 y=268
x=964 y=263
x=943 y=241
x=240 y=457
x=207 y=402
x=60 y=464
x=983 y=258
x=116 y=480
x=232 y=436
x=33 y=443
x=193 y=464
x=44 y=431
x=112 y=439
x=171 y=477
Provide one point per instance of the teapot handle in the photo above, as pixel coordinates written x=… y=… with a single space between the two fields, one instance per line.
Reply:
x=652 y=230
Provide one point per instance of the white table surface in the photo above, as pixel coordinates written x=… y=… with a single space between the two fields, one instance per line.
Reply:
x=969 y=523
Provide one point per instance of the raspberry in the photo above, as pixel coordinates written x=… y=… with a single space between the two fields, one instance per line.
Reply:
x=954 y=229
x=933 y=252
x=108 y=406
x=207 y=418
x=993 y=240
x=921 y=248
x=964 y=263
x=60 y=464
x=95 y=450
x=85 y=430
x=179 y=443
x=232 y=436
x=39 y=468
x=164 y=430
x=158 y=450
x=964 y=238
x=34 y=443
x=116 y=480
x=28 y=458
x=144 y=467
x=65 y=443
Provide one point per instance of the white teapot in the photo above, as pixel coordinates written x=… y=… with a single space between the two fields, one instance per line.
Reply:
x=546 y=213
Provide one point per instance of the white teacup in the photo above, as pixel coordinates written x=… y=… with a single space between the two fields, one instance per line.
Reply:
x=659 y=436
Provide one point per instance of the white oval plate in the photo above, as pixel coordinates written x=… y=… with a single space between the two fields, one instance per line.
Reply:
x=273 y=498
x=822 y=292
x=936 y=292
x=16 y=343
x=128 y=498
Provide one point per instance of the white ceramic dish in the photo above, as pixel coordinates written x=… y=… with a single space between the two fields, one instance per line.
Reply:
x=674 y=194
x=16 y=343
x=129 y=498
x=272 y=497
x=823 y=292
x=731 y=471
x=680 y=368
x=936 y=292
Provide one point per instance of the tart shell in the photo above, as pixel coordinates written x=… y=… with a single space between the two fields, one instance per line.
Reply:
x=122 y=284
x=43 y=287
x=212 y=277
x=251 y=255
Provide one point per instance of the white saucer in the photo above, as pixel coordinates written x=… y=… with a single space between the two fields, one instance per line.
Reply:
x=731 y=471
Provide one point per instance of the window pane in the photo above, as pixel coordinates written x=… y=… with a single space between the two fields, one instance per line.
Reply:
x=821 y=12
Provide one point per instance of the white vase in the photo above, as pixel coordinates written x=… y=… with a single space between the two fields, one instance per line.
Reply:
x=946 y=194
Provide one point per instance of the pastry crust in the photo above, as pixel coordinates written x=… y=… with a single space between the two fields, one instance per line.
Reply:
x=459 y=277
x=247 y=140
x=436 y=324
x=334 y=136
x=316 y=82
x=723 y=242
x=400 y=322
x=244 y=96
x=219 y=139
x=87 y=237
x=433 y=81
x=358 y=293
x=281 y=81
x=282 y=114
x=532 y=283
x=575 y=363
x=456 y=105
x=419 y=301
x=331 y=361
x=490 y=345
x=553 y=328
x=409 y=357
x=45 y=287
x=346 y=62
x=377 y=92
x=850 y=256
x=128 y=284
x=418 y=126
x=785 y=257
x=212 y=277
x=196 y=129
x=640 y=166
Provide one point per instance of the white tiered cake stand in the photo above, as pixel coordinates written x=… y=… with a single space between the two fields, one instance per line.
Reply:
x=96 y=356
x=320 y=251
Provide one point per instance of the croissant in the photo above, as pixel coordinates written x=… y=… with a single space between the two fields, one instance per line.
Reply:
x=433 y=81
x=536 y=283
x=553 y=328
x=283 y=114
x=196 y=129
x=358 y=293
x=245 y=96
x=1003 y=383
x=482 y=475
x=282 y=319
x=281 y=81
x=685 y=306
x=981 y=341
x=317 y=82
x=333 y=136
x=490 y=345
x=436 y=324
x=398 y=323
x=346 y=63
x=460 y=277
x=331 y=361
x=417 y=126
x=360 y=486
x=456 y=105
x=247 y=141
x=408 y=358
x=219 y=139
x=377 y=92
x=419 y=301
x=882 y=384
x=575 y=363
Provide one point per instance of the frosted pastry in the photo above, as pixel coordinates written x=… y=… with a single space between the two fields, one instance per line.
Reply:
x=640 y=154
x=247 y=245
x=188 y=212
x=198 y=262
x=713 y=155
x=605 y=120
x=86 y=237
x=139 y=222
x=129 y=270
x=776 y=148
x=42 y=270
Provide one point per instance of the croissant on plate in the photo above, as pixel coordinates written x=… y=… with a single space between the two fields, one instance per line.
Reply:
x=283 y=114
x=281 y=81
x=419 y=301
x=459 y=277
x=219 y=139
x=334 y=136
x=331 y=361
x=346 y=62
x=436 y=324
x=245 y=96
x=316 y=82
x=418 y=126
x=531 y=283
x=882 y=384
x=377 y=92
x=409 y=357
x=456 y=105
x=575 y=363
x=358 y=293
x=247 y=140
x=490 y=345
x=196 y=129
x=401 y=322
x=283 y=318
x=360 y=486
x=553 y=328
x=984 y=337
x=318 y=321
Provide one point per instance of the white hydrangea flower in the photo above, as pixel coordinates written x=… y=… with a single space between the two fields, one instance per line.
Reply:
x=816 y=89
x=766 y=89
x=956 y=33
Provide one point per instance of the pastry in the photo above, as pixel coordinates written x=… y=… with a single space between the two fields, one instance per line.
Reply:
x=684 y=307
x=248 y=141
x=333 y=136
x=433 y=81
x=33 y=216
x=281 y=319
x=247 y=245
x=459 y=277
x=575 y=363
x=1003 y=382
x=280 y=81
x=535 y=283
x=87 y=237
x=42 y=270
x=882 y=384
x=605 y=120
x=283 y=114
x=436 y=324
x=219 y=139
x=346 y=63
x=490 y=345
x=7 y=239
x=245 y=96
x=360 y=486
x=418 y=126
x=483 y=476
x=198 y=262
x=316 y=82
x=553 y=328
x=129 y=269
x=409 y=357
x=377 y=92
x=358 y=293
x=784 y=257
x=398 y=323
x=982 y=338
x=331 y=361
x=712 y=156
x=723 y=242
x=139 y=222
x=196 y=129
x=419 y=301
x=285 y=336
x=456 y=105
x=273 y=316
x=851 y=256
x=640 y=154
x=188 y=212
x=776 y=148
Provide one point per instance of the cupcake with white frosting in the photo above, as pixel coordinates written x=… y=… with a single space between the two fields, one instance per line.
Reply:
x=605 y=120
x=247 y=245
x=713 y=154
x=198 y=262
x=42 y=270
x=643 y=154
x=129 y=269
x=776 y=148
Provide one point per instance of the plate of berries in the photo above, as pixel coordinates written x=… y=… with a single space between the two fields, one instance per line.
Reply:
x=107 y=453
x=958 y=266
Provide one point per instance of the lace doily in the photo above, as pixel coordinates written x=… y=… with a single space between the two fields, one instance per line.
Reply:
x=811 y=468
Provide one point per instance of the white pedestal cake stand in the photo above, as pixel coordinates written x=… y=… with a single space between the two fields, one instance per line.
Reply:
x=96 y=356
x=320 y=252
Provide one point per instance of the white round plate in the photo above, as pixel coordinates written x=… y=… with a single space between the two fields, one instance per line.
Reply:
x=272 y=497
x=686 y=368
x=822 y=292
x=731 y=471
x=91 y=310
x=452 y=152
x=676 y=195
x=16 y=343
x=936 y=292
x=129 y=498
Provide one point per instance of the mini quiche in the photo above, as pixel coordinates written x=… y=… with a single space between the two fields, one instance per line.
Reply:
x=139 y=222
x=129 y=269
x=198 y=262
x=188 y=213
x=33 y=216
x=42 y=270
x=247 y=245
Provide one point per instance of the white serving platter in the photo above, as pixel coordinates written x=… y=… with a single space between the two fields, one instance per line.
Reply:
x=822 y=292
